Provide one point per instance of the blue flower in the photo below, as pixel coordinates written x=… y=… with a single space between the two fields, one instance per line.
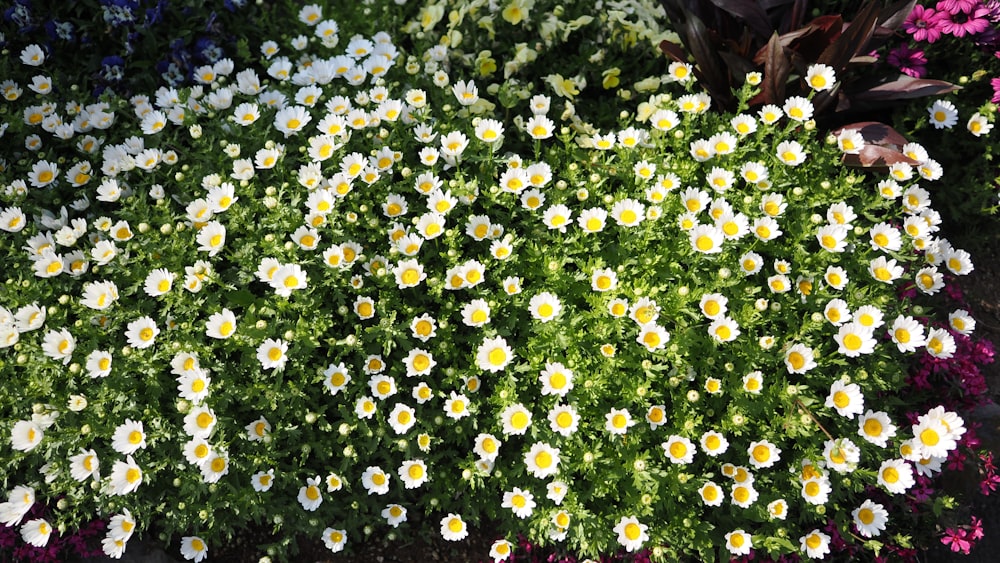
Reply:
x=112 y=68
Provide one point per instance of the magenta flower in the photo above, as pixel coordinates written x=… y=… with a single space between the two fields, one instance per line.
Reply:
x=955 y=6
x=961 y=24
x=995 y=83
x=955 y=539
x=924 y=24
x=909 y=61
x=976 y=529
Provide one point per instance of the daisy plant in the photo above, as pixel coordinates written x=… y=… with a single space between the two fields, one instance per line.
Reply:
x=349 y=294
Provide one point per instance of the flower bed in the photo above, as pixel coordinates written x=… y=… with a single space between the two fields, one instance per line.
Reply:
x=349 y=287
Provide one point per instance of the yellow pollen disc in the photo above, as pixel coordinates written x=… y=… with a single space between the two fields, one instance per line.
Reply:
x=204 y=420
x=218 y=464
x=497 y=356
x=133 y=475
x=678 y=449
x=632 y=531
x=455 y=525
x=274 y=354
x=737 y=540
x=741 y=494
x=814 y=541
x=873 y=427
x=134 y=437
x=866 y=516
x=852 y=342
x=651 y=339
x=216 y=240
x=723 y=332
x=841 y=399
x=519 y=420
x=146 y=334
x=564 y=420
x=201 y=450
x=930 y=437
x=713 y=442
x=890 y=475
x=796 y=360
x=410 y=277
x=543 y=459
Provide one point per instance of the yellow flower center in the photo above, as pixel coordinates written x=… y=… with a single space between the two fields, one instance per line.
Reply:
x=852 y=342
x=796 y=360
x=930 y=437
x=678 y=449
x=519 y=420
x=497 y=356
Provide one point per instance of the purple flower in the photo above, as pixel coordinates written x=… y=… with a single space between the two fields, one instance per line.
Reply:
x=961 y=24
x=924 y=24
x=909 y=61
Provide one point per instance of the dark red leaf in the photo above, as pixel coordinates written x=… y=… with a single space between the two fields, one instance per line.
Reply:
x=875 y=133
x=714 y=74
x=853 y=40
x=777 y=67
x=893 y=16
x=750 y=12
x=673 y=51
x=874 y=156
x=906 y=87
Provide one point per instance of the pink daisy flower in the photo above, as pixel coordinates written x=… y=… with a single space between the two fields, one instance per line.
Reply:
x=961 y=24
x=909 y=61
x=924 y=24
x=955 y=6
